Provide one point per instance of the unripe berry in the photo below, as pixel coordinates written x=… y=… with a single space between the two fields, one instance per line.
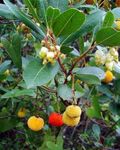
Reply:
x=21 y=113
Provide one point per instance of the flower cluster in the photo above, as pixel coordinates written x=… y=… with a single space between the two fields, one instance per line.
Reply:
x=49 y=53
x=107 y=58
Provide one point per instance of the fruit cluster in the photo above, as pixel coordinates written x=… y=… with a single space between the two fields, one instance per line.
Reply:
x=107 y=58
x=49 y=52
x=71 y=116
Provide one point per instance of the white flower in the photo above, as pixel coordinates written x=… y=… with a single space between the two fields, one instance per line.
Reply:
x=58 y=47
x=109 y=58
x=50 y=56
x=110 y=65
x=100 y=57
x=114 y=53
x=43 y=52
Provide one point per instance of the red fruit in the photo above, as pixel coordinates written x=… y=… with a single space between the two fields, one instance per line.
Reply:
x=55 y=119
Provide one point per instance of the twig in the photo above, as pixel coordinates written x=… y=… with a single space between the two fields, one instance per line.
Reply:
x=62 y=66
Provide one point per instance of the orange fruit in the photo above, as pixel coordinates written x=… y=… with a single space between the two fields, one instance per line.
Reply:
x=35 y=123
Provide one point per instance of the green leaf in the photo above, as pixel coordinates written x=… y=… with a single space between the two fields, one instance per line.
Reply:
x=4 y=66
x=52 y=14
x=108 y=37
x=68 y=22
x=60 y=4
x=91 y=75
x=95 y=110
x=115 y=108
x=42 y=9
x=17 y=93
x=5 y=12
x=65 y=49
x=37 y=74
x=109 y=19
x=64 y=92
x=90 y=23
x=14 y=49
x=32 y=10
x=24 y=18
x=96 y=130
x=7 y=124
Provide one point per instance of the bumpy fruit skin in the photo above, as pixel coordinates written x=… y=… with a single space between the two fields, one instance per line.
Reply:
x=21 y=113
x=89 y=2
x=73 y=111
x=55 y=119
x=108 y=77
x=35 y=123
x=70 y=121
x=117 y=2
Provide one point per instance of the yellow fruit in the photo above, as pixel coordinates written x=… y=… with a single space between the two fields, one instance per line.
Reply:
x=108 y=77
x=73 y=111
x=70 y=121
x=21 y=113
x=35 y=123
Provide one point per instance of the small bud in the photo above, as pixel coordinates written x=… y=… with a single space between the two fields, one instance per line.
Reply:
x=52 y=48
x=109 y=65
x=117 y=23
x=43 y=42
x=58 y=47
x=114 y=53
x=63 y=56
x=109 y=58
x=69 y=78
x=100 y=57
x=43 y=52
x=7 y=72
x=50 y=56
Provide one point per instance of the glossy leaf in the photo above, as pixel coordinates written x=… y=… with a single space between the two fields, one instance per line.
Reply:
x=108 y=37
x=37 y=74
x=91 y=75
x=52 y=14
x=68 y=22
x=60 y=4
x=90 y=23
x=14 y=49
x=5 y=12
x=109 y=19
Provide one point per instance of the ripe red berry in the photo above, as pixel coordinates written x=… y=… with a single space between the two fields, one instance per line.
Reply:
x=55 y=119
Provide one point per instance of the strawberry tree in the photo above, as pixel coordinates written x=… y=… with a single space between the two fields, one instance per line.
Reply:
x=61 y=73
